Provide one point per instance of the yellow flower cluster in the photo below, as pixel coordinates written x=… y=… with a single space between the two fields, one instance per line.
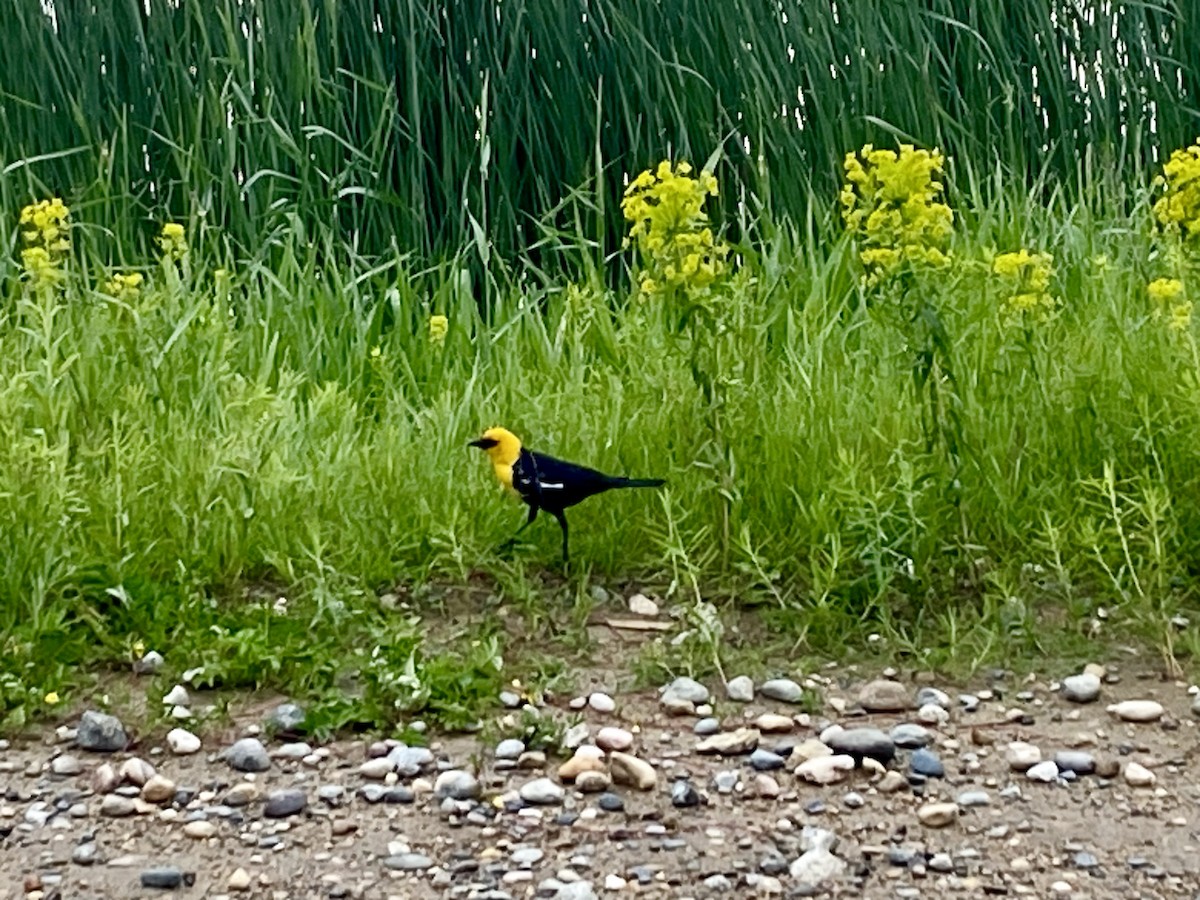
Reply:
x=892 y=205
x=1028 y=276
x=173 y=241
x=45 y=228
x=126 y=287
x=1168 y=296
x=671 y=229
x=1178 y=209
x=439 y=327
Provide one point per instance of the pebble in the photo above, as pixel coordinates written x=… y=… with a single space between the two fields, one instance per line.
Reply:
x=627 y=769
x=1083 y=688
x=115 y=806
x=200 y=829
x=581 y=762
x=85 y=854
x=684 y=794
x=1137 y=775
x=601 y=702
x=925 y=762
x=641 y=605
x=592 y=782
x=1196 y=705
x=149 y=664
x=248 y=755
x=409 y=761
x=101 y=733
x=66 y=765
x=105 y=779
x=285 y=717
x=927 y=696
x=773 y=723
x=932 y=714
x=177 y=696
x=683 y=693
x=826 y=769
x=612 y=738
x=1137 y=710
x=158 y=789
x=542 y=791
x=1045 y=772
x=510 y=748
x=239 y=880
x=765 y=761
x=610 y=802
x=740 y=689
x=408 y=862
x=884 y=695
x=782 y=689
x=1021 y=756
x=911 y=737
x=285 y=802
x=182 y=742
x=1076 y=761
x=937 y=815
x=730 y=743
x=706 y=726
x=135 y=771
x=863 y=743
x=968 y=799
x=163 y=877
x=457 y=784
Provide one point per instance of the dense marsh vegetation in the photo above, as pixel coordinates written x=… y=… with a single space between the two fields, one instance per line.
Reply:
x=300 y=259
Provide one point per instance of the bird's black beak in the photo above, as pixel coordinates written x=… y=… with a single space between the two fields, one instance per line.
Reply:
x=483 y=443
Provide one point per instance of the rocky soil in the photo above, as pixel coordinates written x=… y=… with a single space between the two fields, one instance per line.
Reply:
x=1084 y=788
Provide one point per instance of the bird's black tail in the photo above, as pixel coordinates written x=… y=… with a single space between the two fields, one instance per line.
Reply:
x=618 y=482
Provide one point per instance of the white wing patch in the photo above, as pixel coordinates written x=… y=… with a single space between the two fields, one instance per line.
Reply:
x=547 y=486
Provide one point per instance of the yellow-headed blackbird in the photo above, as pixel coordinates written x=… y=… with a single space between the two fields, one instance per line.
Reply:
x=544 y=482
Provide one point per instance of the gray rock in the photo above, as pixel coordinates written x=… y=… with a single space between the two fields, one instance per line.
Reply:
x=528 y=856
x=149 y=664
x=509 y=700
x=970 y=703
x=456 y=784
x=1081 y=688
x=285 y=802
x=910 y=736
x=66 y=765
x=860 y=743
x=85 y=854
x=1196 y=705
x=248 y=755
x=409 y=761
x=542 y=791
x=740 y=689
x=968 y=799
x=782 y=689
x=511 y=749
x=705 y=727
x=1077 y=761
x=285 y=717
x=408 y=862
x=925 y=762
x=684 y=794
x=168 y=877
x=725 y=781
x=684 y=690
x=574 y=890
x=764 y=760
x=610 y=802
x=101 y=732
x=931 y=695
x=884 y=695
x=114 y=806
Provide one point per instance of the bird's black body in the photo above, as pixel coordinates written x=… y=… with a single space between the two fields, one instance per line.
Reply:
x=555 y=485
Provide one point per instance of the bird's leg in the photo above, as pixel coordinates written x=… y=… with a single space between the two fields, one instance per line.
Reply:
x=533 y=511
x=562 y=522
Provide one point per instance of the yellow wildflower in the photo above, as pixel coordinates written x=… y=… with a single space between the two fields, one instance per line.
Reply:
x=1028 y=276
x=1181 y=316
x=46 y=229
x=124 y=287
x=439 y=326
x=173 y=241
x=1164 y=290
x=671 y=232
x=892 y=204
x=1178 y=209
x=51 y=698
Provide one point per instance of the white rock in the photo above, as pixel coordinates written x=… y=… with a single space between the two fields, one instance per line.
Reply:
x=182 y=742
x=239 y=880
x=1021 y=756
x=614 y=883
x=200 y=829
x=602 y=703
x=612 y=738
x=1137 y=775
x=826 y=769
x=136 y=771
x=740 y=689
x=177 y=696
x=1083 y=688
x=542 y=791
x=377 y=769
x=1137 y=710
x=937 y=815
x=641 y=605
x=1045 y=772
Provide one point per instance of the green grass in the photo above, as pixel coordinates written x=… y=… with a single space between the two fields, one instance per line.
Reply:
x=169 y=469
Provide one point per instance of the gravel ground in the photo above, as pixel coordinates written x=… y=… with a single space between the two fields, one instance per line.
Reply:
x=893 y=789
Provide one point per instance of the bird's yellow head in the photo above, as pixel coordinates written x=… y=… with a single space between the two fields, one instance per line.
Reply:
x=501 y=445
